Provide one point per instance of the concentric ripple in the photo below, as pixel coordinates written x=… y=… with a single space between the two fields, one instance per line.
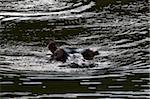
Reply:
x=118 y=31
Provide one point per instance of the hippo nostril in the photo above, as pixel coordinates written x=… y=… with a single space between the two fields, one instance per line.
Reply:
x=96 y=53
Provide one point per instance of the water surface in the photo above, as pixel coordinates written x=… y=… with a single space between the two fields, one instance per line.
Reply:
x=118 y=30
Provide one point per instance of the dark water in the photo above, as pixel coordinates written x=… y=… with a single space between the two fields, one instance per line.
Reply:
x=119 y=30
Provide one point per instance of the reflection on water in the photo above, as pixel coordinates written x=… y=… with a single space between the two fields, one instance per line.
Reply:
x=118 y=30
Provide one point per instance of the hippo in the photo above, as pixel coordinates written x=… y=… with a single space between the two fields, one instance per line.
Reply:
x=62 y=54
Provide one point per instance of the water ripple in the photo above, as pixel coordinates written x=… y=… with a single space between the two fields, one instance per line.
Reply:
x=118 y=31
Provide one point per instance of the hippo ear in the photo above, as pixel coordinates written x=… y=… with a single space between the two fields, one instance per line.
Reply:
x=52 y=46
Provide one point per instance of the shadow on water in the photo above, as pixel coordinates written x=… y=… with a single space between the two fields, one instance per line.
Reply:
x=30 y=31
x=117 y=29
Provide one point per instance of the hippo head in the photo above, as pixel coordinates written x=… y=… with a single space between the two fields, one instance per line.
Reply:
x=89 y=54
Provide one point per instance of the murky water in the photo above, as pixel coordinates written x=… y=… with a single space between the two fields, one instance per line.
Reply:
x=118 y=30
